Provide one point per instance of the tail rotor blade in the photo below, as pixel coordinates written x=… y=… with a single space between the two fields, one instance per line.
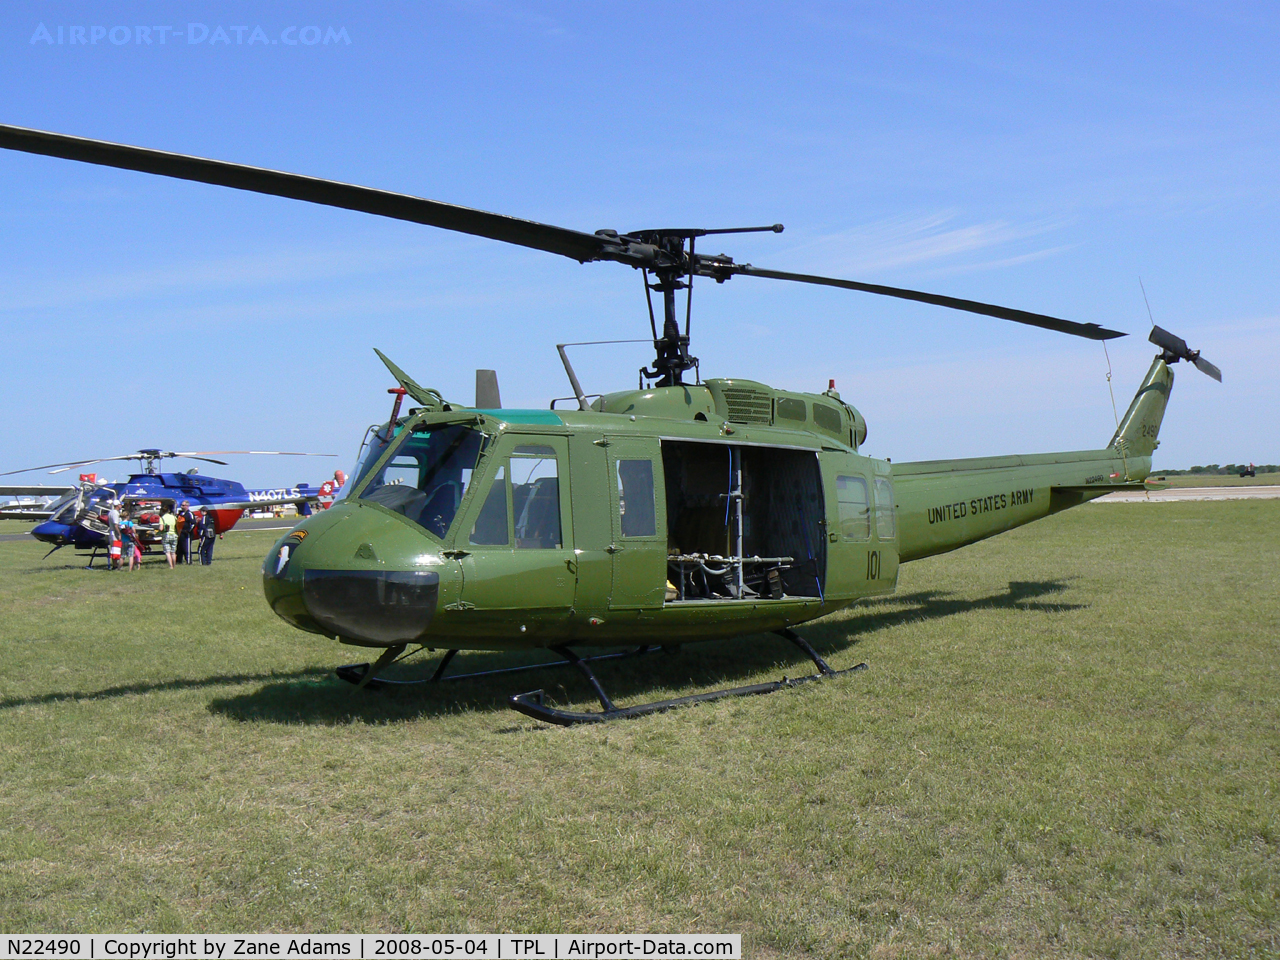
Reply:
x=1205 y=367
x=1165 y=340
x=1175 y=348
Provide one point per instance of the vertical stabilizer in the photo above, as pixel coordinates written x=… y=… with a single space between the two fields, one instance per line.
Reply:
x=1140 y=428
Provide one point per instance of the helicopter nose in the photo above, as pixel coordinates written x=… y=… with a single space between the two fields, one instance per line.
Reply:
x=315 y=581
x=52 y=532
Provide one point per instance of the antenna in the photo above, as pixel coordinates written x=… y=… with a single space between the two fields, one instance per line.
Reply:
x=1147 y=302
x=568 y=367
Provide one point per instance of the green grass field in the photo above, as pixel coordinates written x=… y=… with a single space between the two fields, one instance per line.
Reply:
x=1067 y=743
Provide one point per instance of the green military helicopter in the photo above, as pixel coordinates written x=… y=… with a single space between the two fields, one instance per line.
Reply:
x=682 y=510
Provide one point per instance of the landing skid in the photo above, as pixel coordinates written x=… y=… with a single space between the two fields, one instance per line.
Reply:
x=532 y=704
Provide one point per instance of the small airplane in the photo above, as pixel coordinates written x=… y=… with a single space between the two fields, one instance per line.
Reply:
x=30 y=502
x=683 y=510
x=77 y=518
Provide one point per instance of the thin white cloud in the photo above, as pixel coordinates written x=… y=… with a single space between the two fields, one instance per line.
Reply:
x=251 y=270
x=898 y=242
x=1004 y=261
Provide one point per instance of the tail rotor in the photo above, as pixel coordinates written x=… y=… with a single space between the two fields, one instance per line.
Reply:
x=1175 y=349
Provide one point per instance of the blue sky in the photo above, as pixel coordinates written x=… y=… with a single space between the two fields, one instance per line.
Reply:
x=1042 y=156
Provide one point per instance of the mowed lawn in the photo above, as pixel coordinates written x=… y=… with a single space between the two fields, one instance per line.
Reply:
x=1067 y=743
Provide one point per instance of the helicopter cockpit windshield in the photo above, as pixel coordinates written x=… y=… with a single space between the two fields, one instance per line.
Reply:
x=427 y=474
x=66 y=509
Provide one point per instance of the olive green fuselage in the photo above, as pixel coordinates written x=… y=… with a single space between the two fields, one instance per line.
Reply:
x=628 y=523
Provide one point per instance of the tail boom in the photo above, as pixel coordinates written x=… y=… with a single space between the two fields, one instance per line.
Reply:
x=946 y=504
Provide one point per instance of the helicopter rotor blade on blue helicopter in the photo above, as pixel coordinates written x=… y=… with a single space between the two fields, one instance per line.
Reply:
x=154 y=455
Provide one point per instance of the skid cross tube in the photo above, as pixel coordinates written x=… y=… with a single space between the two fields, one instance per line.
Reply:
x=533 y=703
x=355 y=673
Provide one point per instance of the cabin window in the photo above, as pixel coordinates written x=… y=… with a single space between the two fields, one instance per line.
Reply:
x=635 y=498
x=827 y=417
x=855 y=516
x=790 y=408
x=535 y=497
x=490 y=529
x=884 y=509
x=427 y=475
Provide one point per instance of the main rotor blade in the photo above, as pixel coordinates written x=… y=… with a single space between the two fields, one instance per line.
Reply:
x=383 y=203
x=256 y=453
x=1090 y=331
x=73 y=463
x=64 y=467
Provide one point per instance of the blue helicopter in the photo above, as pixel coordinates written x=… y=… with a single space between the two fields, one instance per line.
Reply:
x=78 y=518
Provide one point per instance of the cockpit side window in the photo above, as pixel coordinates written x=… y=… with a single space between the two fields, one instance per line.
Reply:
x=535 y=497
x=490 y=528
x=522 y=503
x=427 y=475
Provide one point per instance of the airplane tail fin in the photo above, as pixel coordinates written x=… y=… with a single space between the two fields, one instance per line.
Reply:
x=1138 y=433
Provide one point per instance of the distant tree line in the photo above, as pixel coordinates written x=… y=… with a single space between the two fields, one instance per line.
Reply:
x=1213 y=470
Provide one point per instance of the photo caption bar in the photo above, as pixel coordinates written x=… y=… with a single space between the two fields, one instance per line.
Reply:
x=489 y=946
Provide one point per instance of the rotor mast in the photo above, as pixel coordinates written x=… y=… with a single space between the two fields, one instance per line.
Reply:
x=671 y=349
x=674 y=268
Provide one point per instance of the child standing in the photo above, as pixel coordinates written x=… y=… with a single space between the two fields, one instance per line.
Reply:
x=129 y=542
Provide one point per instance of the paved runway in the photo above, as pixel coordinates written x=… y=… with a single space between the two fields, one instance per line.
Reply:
x=1175 y=494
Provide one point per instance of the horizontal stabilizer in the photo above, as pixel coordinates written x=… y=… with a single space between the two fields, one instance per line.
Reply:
x=1098 y=487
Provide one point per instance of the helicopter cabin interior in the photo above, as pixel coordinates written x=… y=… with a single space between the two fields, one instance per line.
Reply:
x=743 y=522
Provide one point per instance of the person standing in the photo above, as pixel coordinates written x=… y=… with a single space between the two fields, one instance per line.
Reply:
x=186 y=529
x=208 y=533
x=113 y=535
x=169 y=534
x=129 y=542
